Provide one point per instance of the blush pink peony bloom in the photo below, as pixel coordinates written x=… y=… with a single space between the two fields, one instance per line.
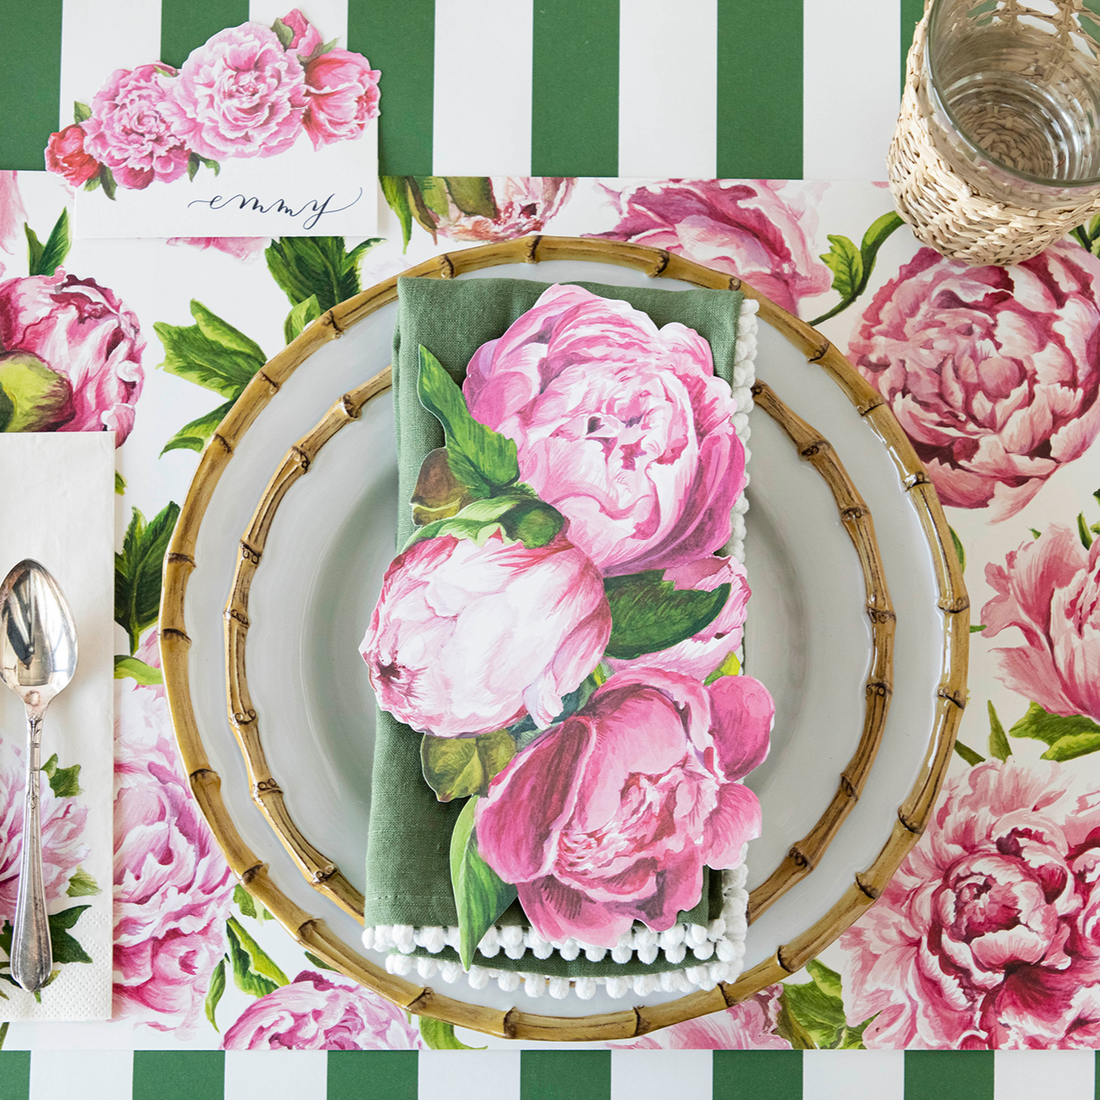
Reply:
x=1050 y=590
x=993 y=372
x=172 y=885
x=749 y=1025
x=985 y=937
x=620 y=425
x=465 y=639
x=67 y=157
x=306 y=36
x=524 y=204
x=240 y=95
x=322 y=1013
x=130 y=131
x=240 y=248
x=87 y=337
x=610 y=817
x=762 y=231
x=701 y=654
x=343 y=97
x=12 y=214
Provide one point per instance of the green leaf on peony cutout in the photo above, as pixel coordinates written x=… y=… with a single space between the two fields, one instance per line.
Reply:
x=81 y=112
x=325 y=47
x=440 y=1035
x=998 y=741
x=107 y=181
x=136 y=669
x=649 y=614
x=45 y=259
x=283 y=33
x=457 y=767
x=1068 y=736
x=473 y=195
x=214 y=993
x=138 y=571
x=812 y=1014
x=195 y=162
x=481 y=895
x=483 y=460
x=33 y=398
x=317 y=266
x=254 y=971
x=304 y=313
x=120 y=484
x=64 y=782
x=82 y=885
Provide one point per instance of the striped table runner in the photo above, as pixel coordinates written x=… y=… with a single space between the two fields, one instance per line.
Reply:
x=704 y=88
x=547 y=1075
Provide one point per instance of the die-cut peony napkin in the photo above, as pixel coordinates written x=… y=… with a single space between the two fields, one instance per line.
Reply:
x=409 y=899
x=57 y=498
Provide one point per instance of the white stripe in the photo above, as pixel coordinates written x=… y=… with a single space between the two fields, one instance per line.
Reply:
x=482 y=106
x=853 y=1075
x=92 y=46
x=1029 y=1074
x=851 y=88
x=89 y=1074
x=468 y=1075
x=262 y=1074
x=330 y=17
x=668 y=87
x=661 y=1074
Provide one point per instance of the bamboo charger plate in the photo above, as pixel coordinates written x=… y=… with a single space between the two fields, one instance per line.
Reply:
x=805 y=852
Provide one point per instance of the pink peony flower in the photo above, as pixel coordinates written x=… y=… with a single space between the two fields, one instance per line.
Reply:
x=343 y=97
x=12 y=214
x=172 y=885
x=306 y=36
x=66 y=156
x=610 y=817
x=985 y=937
x=465 y=639
x=130 y=131
x=83 y=334
x=240 y=95
x=701 y=654
x=993 y=372
x=322 y=1013
x=760 y=230
x=240 y=248
x=620 y=425
x=524 y=204
x=1049 y=589
x=749 y=1025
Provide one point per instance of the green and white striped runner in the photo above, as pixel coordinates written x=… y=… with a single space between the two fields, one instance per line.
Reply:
x=704 y=88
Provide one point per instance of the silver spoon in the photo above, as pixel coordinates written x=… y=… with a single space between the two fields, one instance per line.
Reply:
x=37 y=660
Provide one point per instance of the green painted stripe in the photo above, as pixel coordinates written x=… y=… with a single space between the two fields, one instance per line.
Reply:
x=187 y=24
x=15 y=1074
x=179 y=1075
x=760 y=89
x=911 y=12
x=760 y=1074
x=372 y=1075
x=949 y=1075
x=565 y=1074
x=575 y=88
x=399 y=39
x=29 y=80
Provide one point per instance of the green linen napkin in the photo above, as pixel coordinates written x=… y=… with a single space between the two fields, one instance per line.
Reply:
x=408 y=863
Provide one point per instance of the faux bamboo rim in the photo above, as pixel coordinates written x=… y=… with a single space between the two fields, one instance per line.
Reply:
x=311 y=932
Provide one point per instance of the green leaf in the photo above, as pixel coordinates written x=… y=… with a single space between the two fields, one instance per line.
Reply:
x=1035 y=532
x=283 y=33
x=195 y=435
x=82 y=884
x=481 y=895
x=815 y=1011
x=138 y=571
x=136 y=669
x=1066 y=736
x=457 y=767
x=998 y=741
x=483 y=460
x=842 y=254
x=320 y=266
x=34 y=398
x=81 y=112
x=325 y=47
x=66 y=949
x=45 y=260
x=977 y=628
x=1083 y=531
x=211 y=353
x=846 y=264
x=195 y=162
x=64 y=782
x=473 y=195
x=244 y=901
x=92 y=184
x=649 y=614
x=301 y=315
x=35 y=249
x=1072 y=746
x=440 y=1035
x=395 y=190
x=318 y=962
x=107 y=180
x=120 y=484
x=434 y=194
x=957 y=543
x=214 y=993
x=254 y=971
x=730 y=666
x=968 y=754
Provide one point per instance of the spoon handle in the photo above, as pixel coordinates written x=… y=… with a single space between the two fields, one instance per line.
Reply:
x=31 y=953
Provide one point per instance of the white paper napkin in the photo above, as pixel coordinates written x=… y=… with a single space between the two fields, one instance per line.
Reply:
x=57 y=506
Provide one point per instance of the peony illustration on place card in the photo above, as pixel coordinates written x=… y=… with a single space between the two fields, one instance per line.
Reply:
x=262 y=131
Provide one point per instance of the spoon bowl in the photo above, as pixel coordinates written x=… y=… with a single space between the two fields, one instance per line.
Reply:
x=38 y=655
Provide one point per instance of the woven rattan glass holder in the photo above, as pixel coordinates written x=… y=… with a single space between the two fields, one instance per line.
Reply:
x=971 y=182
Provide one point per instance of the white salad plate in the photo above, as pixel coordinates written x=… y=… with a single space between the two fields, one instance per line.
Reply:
x=808 y=636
